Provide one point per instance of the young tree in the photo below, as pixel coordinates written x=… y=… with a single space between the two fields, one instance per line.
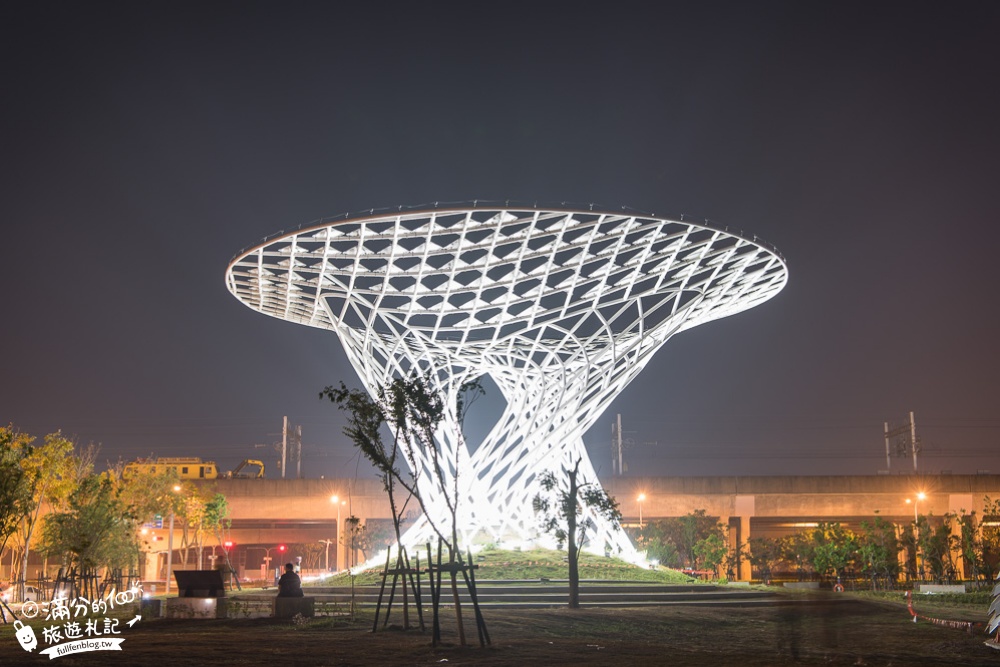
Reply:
x=692 y=528
x=562 y=507
x=310 y=552
x=54 y=471
x=711 y=551
x=833 y=549
x=96 y=530
x=193 y=503
x=16 y=484
x=989 y=540
x=878 y=552
x=674 y=541
x=936 y=544
x=216 y=520
x=797 y=549
x=979 y=542
x=765 y=554
x=413 y=412
x=349 y=538
x=735 y=554
x=908 y=543
x=373 y=536
x=970 y=546
x=365 y=420
x=148 y=494
x=653 y=538
x=216 y=517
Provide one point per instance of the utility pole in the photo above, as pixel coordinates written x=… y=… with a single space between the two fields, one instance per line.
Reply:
x=298 y=452
x=905 y=438
x=888 y=461
x=284 y=446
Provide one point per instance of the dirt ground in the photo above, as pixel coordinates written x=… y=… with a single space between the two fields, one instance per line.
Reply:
x=821 y=630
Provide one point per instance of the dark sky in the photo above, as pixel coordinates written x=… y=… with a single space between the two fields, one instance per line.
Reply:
x=143 y=144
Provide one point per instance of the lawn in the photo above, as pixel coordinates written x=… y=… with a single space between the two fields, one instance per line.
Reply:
x=537 y=564
x=792 y=628
x=818 y=629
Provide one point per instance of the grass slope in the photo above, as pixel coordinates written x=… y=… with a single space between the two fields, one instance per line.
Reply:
x=537 y=564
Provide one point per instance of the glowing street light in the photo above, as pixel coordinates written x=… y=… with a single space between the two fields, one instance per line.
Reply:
x=920 y=496
x=642 y=497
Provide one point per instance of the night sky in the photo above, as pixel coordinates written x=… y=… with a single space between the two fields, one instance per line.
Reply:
x=142 y=145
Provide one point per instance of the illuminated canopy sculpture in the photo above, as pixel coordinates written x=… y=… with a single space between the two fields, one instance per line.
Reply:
x=561 y=308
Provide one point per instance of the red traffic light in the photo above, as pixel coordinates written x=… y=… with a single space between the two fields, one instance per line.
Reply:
x=228 y=544
x=281 y=548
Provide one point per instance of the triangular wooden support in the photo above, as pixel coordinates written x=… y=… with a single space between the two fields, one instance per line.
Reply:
x=455 y=565
x=409 y=578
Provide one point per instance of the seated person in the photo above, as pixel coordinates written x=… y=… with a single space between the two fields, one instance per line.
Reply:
x=289 y=585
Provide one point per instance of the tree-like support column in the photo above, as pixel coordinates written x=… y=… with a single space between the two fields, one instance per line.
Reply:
x=561 y=308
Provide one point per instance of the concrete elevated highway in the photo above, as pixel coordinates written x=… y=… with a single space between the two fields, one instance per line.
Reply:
x=269 y=512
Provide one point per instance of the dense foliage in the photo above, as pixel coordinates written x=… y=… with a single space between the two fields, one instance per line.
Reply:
x=97 y=528
x=694 y=541
x=931 y=548
x=880 y=553
x=52 y=501
x=15 y=482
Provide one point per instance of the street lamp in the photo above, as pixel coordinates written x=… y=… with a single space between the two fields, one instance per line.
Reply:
x=642 y=497
x=170 y=539
x=326 y=558
x=920 y=496
x=339 y=503
x=267 y=561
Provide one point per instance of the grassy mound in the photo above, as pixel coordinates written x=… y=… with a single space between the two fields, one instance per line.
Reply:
x=537 y=564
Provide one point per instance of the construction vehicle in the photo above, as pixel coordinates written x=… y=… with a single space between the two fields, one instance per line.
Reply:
x=186 y=468
x=237 y=472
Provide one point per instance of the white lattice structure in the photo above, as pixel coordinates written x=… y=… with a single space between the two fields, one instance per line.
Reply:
x=561 y=308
